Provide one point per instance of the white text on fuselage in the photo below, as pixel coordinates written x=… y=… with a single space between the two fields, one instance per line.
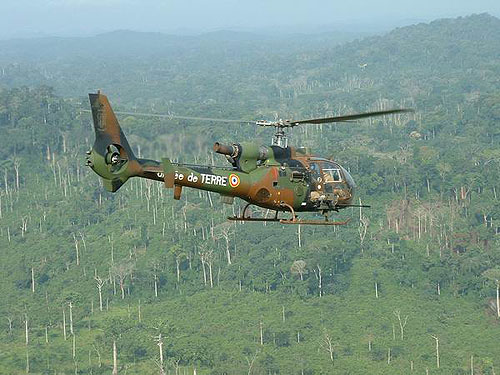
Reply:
x=207 y=179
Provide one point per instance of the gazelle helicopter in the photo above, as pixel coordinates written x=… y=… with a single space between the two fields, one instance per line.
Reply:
x=277 y=177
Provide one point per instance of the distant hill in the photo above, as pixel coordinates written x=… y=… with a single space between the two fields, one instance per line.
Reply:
x=125 y=43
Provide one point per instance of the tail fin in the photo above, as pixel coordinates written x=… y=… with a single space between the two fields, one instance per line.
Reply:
x=111 y=156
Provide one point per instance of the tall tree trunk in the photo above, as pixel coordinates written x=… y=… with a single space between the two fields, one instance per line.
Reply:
x=320 y=285
x=204 y=272
x=26 y=329
x=228 y=253
x=156 y=286
x=100 y=299
x=498 y=299
x=122 y=289
x=437 y=350
x=115 y=359
x=210 y=275
x=71 y=318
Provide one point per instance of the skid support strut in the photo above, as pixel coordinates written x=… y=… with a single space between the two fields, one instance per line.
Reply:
x=292 y=220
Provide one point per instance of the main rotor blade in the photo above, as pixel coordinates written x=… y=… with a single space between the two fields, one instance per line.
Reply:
x=181 y=117
x=347 y=118
x=142 y=114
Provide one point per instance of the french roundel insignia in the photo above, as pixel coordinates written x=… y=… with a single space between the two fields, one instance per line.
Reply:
x=234 y=180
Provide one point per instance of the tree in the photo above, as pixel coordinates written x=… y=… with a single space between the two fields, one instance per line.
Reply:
x=122 y=270
x=493 y=275
x=402 y=322
x=115 y=328
x=299 y=268
x=225 y=231
x=328 y=345
x=178 y=254
x=100 y=284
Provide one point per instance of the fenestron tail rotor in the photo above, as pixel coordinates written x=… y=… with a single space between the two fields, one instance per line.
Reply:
x=111 y=156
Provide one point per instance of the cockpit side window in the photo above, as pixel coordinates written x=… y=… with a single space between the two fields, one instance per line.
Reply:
x=315 y=170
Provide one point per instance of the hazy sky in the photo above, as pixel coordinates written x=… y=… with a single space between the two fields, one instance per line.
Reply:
x=76 y=17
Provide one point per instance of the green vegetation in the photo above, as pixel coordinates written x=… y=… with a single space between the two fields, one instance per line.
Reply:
x=373 y=297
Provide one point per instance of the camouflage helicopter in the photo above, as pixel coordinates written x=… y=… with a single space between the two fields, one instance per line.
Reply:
x=277 y=177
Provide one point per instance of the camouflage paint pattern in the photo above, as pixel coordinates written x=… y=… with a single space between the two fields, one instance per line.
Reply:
x=267 y=176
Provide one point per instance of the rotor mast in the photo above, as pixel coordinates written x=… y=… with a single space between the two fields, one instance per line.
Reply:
x=279 y=138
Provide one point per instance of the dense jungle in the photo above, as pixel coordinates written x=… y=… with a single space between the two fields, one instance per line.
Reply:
x=410 y=285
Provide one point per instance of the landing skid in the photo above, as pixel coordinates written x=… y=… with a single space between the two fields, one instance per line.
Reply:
x=314 y=222
x=293 y=220
x=235 y=218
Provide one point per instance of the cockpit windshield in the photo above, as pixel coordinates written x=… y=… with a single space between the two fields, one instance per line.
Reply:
x=349 y=179
x=331 y=172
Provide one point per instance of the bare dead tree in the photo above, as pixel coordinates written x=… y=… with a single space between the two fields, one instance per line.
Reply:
x=261 y=332
x=71 y=318
x=139 y=312
x=155 y=278
x=299 y=267
x=24 y=225
x=64 y=324
x=225 y=231
x=362 y=229
x=77 y=251
x=402 y=322
x=493 y=275
x=115 y=359
x=207 y=258
x=82 y=236
x=437 y=349
x=100 y=284
x=159 y=341
x=175 y=363
x=98 y=355
x=202 y=254
x=320 y=281
x=26 y=331
x=122 y=270
x=328 y=345
x=10 y=326
x=370 y=342
x=17 y=164
x=251 y=361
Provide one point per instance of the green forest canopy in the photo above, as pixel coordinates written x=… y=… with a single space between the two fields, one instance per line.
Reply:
x=426 y=269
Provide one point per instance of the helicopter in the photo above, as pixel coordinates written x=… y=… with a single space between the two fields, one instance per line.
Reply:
x=278 y=177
